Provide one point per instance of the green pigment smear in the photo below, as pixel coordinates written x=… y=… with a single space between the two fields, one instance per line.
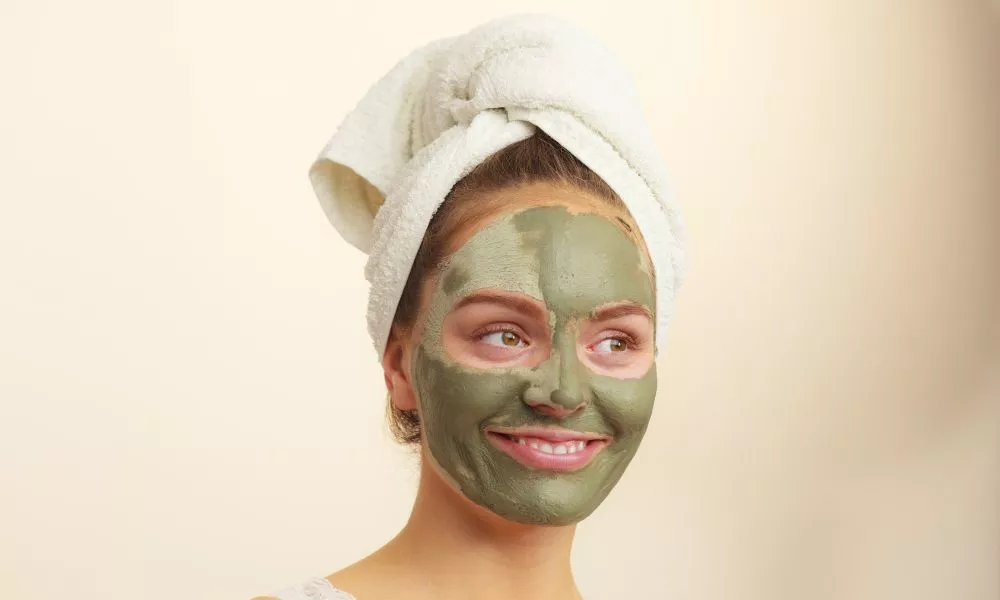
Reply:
x=573 y=263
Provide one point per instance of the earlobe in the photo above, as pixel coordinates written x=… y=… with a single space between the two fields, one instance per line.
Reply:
x=404 y=398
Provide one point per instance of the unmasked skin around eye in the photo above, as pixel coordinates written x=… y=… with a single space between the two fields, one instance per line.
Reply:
x=534 y=370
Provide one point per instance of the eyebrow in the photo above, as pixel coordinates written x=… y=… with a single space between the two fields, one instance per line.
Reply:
x=623 y=309
x=515 y=303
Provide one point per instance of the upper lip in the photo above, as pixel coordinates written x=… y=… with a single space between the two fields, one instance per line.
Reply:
x=551 y=434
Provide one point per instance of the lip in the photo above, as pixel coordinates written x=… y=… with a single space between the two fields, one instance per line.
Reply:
x=536 y=459
x=549 y=434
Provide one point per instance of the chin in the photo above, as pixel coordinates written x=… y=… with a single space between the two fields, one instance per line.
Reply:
x=547 y=515
x=541 y=508
x=554 y=520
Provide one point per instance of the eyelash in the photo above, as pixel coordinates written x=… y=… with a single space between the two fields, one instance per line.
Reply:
x=498 y=328
x=630 y=343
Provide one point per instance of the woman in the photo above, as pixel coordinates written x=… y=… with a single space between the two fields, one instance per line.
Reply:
x=520 y=358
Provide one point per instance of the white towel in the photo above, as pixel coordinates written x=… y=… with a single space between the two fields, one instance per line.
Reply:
x=449 y=105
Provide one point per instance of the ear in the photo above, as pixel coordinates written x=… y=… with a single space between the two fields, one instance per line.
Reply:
x=395 y=370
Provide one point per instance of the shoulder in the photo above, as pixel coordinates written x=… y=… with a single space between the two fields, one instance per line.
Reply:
x=316 y=588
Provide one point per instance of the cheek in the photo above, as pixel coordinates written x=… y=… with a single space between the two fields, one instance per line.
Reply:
x=627 y=404
x=633 y=365
x=456 y=402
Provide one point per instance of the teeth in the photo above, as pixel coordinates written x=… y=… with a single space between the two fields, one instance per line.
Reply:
x=570 y=447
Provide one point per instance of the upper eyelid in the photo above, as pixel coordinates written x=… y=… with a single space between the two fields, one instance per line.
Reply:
x=606 y=334
x=609 y=332
x=475 y=313
x=500 y=327
x=635 y=325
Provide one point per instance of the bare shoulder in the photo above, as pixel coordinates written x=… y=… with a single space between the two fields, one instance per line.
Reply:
x=379 y=575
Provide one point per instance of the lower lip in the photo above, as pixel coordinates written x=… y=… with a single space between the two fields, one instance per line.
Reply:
x=532 y=457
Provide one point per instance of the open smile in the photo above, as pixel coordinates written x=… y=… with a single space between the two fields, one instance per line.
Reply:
x=546 y=448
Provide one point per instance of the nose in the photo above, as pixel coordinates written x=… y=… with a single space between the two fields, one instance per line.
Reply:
x=560 y=404
x=563 y=388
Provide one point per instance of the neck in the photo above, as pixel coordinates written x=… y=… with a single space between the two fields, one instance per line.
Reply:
x=457 y=545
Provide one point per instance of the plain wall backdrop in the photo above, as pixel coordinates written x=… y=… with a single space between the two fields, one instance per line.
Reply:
x=191 y=407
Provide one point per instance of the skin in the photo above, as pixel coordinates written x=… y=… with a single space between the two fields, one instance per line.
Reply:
x=571 y=265
x=466 y=530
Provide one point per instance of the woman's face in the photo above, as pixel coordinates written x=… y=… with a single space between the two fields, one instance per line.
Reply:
x=532 y=366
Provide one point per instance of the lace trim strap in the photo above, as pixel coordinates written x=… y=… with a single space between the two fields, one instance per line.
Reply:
x=316 y=588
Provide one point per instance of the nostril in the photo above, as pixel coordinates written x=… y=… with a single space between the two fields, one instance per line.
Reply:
x=552 y=410
x=566 y=400
x=534 y=396
x=557 y=403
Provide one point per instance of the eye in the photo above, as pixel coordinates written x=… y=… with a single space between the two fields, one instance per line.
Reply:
x=505 y=338
x=611 y=345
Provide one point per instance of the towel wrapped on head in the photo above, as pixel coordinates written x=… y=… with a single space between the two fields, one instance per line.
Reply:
x=449 y=105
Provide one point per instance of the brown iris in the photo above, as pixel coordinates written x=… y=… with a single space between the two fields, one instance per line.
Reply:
x=509 y=338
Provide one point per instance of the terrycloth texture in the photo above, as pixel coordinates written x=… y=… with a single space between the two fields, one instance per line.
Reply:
x=452 y=103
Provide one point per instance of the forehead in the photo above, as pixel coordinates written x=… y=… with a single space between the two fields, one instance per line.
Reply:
x=571 y=261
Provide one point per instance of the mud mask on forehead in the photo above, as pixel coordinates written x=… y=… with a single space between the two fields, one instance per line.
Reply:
x=573 y=264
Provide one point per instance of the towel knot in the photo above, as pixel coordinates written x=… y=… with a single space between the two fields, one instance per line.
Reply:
x=452 y=103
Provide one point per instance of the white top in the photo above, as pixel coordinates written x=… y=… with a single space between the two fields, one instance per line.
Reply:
x=316 y=588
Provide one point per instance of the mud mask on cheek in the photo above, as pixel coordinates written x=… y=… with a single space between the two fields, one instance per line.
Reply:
x=573 y=263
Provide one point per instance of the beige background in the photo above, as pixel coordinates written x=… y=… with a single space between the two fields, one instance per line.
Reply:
x=190 y=404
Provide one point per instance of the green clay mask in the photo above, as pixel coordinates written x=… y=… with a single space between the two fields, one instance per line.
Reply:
x=572 y=265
